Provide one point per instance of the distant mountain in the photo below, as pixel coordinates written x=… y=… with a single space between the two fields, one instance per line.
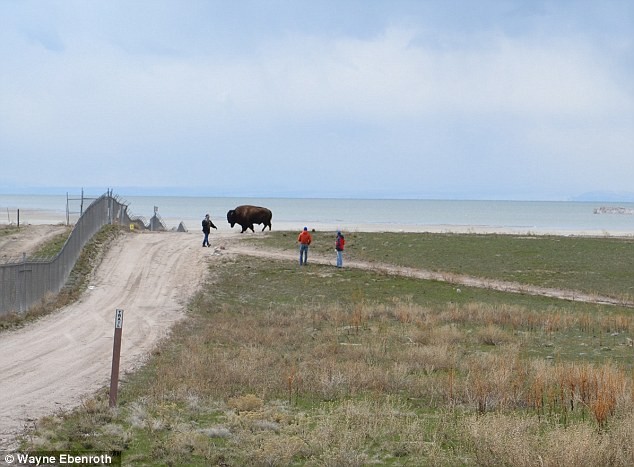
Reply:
x=607 y=196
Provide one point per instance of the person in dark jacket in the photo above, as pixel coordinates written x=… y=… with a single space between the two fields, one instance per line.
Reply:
x=207 y=225
x=339 y=244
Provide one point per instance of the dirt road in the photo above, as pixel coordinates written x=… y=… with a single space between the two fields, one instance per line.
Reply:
x=55 y=362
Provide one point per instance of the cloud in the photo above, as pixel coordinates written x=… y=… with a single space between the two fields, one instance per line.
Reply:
x=380 y=79
x=388 y=77
x=405 y=96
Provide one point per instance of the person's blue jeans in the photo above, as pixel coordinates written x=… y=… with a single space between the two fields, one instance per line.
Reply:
x=206 y=240
x=303 y=254
x=339 y=259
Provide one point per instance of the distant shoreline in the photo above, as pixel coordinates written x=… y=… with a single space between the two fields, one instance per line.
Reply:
x=54 y=217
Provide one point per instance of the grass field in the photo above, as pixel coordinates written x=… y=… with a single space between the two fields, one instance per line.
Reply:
x=587 y=264
x=281 y=365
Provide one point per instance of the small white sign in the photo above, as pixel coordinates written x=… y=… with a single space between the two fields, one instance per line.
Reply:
x=118 y=321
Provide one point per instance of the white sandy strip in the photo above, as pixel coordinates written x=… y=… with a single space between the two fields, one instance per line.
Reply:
x=39 y=217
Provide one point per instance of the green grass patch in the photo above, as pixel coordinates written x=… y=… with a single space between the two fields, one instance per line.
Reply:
x=6 y=230
x=51 y=247
x=587 y=264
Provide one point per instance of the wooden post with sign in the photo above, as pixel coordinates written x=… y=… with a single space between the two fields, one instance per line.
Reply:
x=116 y=353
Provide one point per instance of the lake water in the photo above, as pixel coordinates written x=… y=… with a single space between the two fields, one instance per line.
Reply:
x=351 y=214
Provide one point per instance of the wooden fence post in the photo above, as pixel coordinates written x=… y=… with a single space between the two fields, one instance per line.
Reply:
x=116 y=353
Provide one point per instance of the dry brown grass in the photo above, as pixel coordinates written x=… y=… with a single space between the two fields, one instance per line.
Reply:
x=246 y=403
x=551 y=321
x=519 y=440
x=493 y=335
x=360 y=383
x=335 y=352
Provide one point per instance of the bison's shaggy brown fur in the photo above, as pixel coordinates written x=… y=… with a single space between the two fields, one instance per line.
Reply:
x=247 y=215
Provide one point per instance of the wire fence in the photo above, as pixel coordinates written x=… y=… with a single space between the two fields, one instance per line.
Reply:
x=25 y=283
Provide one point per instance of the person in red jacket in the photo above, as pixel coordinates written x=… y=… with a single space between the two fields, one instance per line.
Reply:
x=304 y=240
x=339 y=244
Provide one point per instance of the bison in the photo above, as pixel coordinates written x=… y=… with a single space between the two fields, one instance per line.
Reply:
x=247 y=215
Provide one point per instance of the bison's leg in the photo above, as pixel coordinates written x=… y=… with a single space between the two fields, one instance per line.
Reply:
x=244 y=228
x=252 y=229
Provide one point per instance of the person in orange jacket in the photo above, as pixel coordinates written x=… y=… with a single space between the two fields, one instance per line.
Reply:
x=304 y=240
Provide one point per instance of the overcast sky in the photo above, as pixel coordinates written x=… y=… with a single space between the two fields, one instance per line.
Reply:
x=448 y=99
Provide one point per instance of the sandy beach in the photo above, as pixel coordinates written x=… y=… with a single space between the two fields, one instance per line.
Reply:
x=56 y=218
